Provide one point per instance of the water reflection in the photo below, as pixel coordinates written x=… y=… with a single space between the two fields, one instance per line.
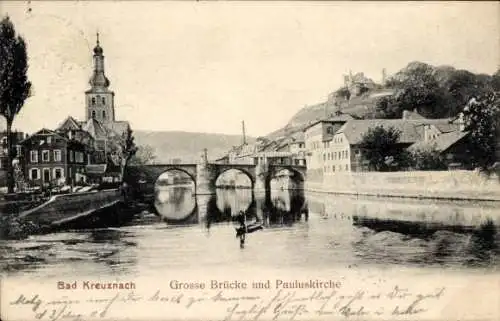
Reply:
x=302 y=230
x=175 y=204
x=179 y=205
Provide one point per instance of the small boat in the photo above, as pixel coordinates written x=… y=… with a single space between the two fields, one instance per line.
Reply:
x=248 y=229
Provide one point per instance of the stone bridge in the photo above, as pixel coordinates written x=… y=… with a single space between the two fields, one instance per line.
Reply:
x=204 y=175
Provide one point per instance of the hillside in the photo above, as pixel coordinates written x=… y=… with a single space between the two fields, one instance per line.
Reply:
x=187 y=146
x=448 y=89
x=359 y=107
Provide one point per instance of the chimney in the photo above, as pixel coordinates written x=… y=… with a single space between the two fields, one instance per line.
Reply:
x=244 y=135
x=406 y=114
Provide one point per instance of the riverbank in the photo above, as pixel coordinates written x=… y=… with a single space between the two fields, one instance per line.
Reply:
x=446 y=185
x=76 y=210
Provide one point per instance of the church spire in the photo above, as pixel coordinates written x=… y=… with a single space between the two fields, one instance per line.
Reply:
x=99 y=99
x=98 y=78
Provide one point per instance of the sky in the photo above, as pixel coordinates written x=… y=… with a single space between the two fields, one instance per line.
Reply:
x=206 y=66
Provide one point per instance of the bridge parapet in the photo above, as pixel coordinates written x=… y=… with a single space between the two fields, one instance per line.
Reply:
x=205 y=174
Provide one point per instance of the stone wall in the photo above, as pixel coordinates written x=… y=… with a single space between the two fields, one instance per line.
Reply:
x=65 y=206
x=427 y=184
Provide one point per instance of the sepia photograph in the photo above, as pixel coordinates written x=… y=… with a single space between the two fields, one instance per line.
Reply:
x=249 y=160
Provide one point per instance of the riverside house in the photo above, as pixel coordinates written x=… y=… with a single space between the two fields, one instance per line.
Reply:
x=318 y=138
x=53 y=158
x=333 y=149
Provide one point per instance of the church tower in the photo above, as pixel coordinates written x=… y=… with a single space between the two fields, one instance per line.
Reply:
x=99 y=100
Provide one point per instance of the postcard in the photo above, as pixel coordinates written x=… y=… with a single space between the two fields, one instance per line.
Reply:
x=249 y=160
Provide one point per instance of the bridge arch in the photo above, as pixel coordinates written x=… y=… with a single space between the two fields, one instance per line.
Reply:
x=242 y=170
x=178 y=169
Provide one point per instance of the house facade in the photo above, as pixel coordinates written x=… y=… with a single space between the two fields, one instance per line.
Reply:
x=318 y=138
x=51 y=158
x=329 y=154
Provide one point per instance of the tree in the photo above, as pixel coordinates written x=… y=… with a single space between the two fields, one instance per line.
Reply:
x=427 y=159
x=14 y=85
x=388 y=107
x=122 y=149
x=380 y=148
x=144 y=155
x=482 y=119
x=128 y=149
x=495 y=80
x=417 y=87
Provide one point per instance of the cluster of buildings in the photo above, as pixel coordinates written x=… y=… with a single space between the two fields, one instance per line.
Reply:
x=77 y=151
x=332 y=144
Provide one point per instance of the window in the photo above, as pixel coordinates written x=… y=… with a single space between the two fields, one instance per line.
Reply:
x=46 y=174
x=93 y=101
x=93 y=114
x=45 y=156
x=34 y=156
x=57 y=155
x=346 y=167
x=34 y=173
x=49 y=139
x=103 y=114
x=333 y=168
x=103 y=100
x=58 y=173
x=79 y=157
x=324 y=156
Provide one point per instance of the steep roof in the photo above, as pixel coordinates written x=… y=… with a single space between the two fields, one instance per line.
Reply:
x=355 y=129
x=442 y=142
x=69 y=123
x=95 y=128
x=43 y=132
x=447 y=127
x=341 y=118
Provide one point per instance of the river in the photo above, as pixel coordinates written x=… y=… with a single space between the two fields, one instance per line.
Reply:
x=301 y=230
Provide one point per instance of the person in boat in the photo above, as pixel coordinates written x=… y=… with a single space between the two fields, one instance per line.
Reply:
x=244 y=228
